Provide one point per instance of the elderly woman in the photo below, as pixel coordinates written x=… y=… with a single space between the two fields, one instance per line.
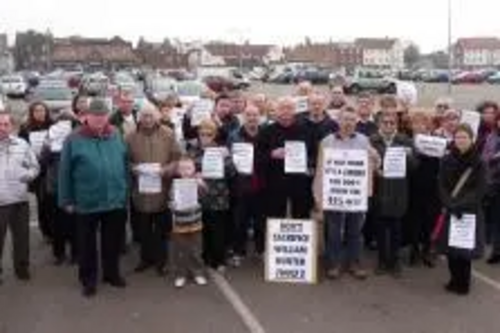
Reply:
x=153 y=153
x=449 y=124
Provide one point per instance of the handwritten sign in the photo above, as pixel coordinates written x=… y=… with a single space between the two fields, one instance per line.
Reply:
x=473 y=119
x=463 y=232
x=345 y=180
x=431 y=146
x=243 y=157
x=37 y=140
x=185 y=194
x=395 y=163
x=295 y=157
x=58 y=133
x=213 y=163
x=201 y=110
x=301 y=104
x=291 y=254
x=149 y=179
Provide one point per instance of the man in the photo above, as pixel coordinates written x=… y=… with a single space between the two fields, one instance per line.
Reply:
x=93 y=184
x=365 y=124
x=343 y=229
x=247 y=190
x=239 y=103
x=152 y=144
x=338 y=99
x=125 y=117
x=282 y=187
x=18 y=167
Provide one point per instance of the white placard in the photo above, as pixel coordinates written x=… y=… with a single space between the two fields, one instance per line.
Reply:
x=345 y=180
x=149 y=179
x=201 y=110
x=58 y=133
x=395 y=163
x=301 y=104
x=462 y=232
x=185 y=194
x=291 y=251
x=212 y=166
x=37 y=140
x=243 y=157
x=429 y=145
x=473 y=119
x=295 y=157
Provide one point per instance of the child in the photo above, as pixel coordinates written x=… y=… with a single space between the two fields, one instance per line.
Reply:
x=186 y=233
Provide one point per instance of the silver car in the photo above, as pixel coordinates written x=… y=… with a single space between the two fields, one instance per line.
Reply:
x=56 y=97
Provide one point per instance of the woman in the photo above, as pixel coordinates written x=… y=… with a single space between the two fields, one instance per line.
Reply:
x=424 y=198
x=448 y=124
x=79 y=106
x=462 y=185
x=489 y=113
x=34 y=131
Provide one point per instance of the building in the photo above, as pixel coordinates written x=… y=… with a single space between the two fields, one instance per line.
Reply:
x=6 y=57
x=33 y=50
x=382 y=53
x=477 y=52
x=331 y=55
x=93 y=53
x=161 y=55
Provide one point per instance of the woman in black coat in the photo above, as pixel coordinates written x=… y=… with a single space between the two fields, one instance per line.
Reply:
x=468 y=201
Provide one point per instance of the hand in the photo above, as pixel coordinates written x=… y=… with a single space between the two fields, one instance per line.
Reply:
x=169 y=169
x=278 y=154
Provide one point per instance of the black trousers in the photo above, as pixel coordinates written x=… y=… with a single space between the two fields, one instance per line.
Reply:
x=248 y=214
x=460 y=272
x=214 y=238
x=43 y=205
x=298 y=196
x=64 y=230
x=154 y=230
x=15 y=217
x=370 y=225
x=110 y=224
x=388 y=241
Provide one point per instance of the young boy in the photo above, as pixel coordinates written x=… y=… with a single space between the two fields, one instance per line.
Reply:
x=186 y=231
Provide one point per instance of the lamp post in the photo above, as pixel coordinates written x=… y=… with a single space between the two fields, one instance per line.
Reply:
x=450 y=48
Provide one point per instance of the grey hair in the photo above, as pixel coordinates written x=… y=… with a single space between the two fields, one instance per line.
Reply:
x=149 y=109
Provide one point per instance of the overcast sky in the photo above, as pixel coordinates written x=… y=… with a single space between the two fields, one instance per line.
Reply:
x=260 y=21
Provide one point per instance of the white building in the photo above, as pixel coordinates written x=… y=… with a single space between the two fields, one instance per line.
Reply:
x=387 y=53
x=477 y=52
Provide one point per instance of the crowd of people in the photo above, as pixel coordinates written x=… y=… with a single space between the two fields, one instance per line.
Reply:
x=110 y=173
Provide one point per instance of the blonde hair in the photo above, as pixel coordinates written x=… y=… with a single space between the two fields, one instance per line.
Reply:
x=208 y=125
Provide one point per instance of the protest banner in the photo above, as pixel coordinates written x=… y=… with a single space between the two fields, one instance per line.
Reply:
x=243 y=157
x=291 y=251
x=394 y=166
x=185 y=194
x=345 y=180
x=212 y=165
x=201 y=110
x=149 y=179
x=471 y=118
x=431 y=146
x=462 y=232
x=295 y=157
x=37 y=140
x=301 y=104
x=58 y=133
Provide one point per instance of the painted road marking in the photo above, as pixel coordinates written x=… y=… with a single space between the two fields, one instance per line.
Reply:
x=486 y=279
x=246 y=315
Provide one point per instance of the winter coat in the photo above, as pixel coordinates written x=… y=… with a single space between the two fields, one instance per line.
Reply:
x=468 y=200
x=391 y=198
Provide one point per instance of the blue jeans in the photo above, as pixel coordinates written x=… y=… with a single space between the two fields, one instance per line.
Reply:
x=343 y=238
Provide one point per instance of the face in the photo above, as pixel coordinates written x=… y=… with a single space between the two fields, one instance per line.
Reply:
x=5 y=126
x=97 y=121
x=347 y=122
x=223 y=108
x=126 y=104
x=489 y=116
x=186 y=168
x=337 y=95
x=463 y=141
x=451 y=122
x=441 y=108
x=364 y=107
x=207 y=137
x=251 y=117
x=40 y=113
x=148 y=120
x=285 y=112
x=419 y=126
x=388 y=125
x=239 y=105
x=82 y=104
x=317 y=104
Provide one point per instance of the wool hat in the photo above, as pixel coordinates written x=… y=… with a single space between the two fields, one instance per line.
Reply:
x=98 y=106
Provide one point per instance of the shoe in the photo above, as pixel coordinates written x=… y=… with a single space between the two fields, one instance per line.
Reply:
x=200 y=280
x=142 y=267
x=180 y=282
x=89 y=291
x=333 y=273
x=358 y=272
x=118 y=282
x=494 y=259
x=23 y=275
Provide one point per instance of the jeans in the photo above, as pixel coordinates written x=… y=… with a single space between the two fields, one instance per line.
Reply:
x=343 y=238
x=16 y=218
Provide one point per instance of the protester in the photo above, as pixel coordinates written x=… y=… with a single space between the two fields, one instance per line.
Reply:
x=489 y=113
x=125 y=117
x=337 y=99
x=462 y=186
x=34 y=130
x=303 y=89
x=93 y=182
x=247 y=191
x=215 y=199
x=153 y=153
x=281 y=187
x=186 y=232
x=424 y=198
x=18 y=167
x=167 y=108
x=239 y=103
x=391 y=194
x=442 y=105
x=449 y=124
x=79 y=105
x=343 y=229
x=365 y=124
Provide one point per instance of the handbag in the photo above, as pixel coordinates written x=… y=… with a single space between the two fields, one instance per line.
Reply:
x=438 y=226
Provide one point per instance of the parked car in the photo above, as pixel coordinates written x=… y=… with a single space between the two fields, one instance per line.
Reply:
x=57 y=96
x=159 y=88
x=313 y=75
x=379 y=86
x=222 y=83
x=473 y=77
x=286 y=77
x=494 y=79
x=190 y=91
x=436 y=76
x=13 y=86
x=95 y=84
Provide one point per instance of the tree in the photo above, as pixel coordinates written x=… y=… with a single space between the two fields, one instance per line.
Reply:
x=412 y=55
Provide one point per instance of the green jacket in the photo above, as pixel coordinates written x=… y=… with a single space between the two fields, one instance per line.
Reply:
x=93 y=174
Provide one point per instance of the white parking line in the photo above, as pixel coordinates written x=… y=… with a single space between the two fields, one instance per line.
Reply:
x=246 y=315
x=485 y=279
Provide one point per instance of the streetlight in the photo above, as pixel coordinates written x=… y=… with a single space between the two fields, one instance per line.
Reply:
x=450 y=48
